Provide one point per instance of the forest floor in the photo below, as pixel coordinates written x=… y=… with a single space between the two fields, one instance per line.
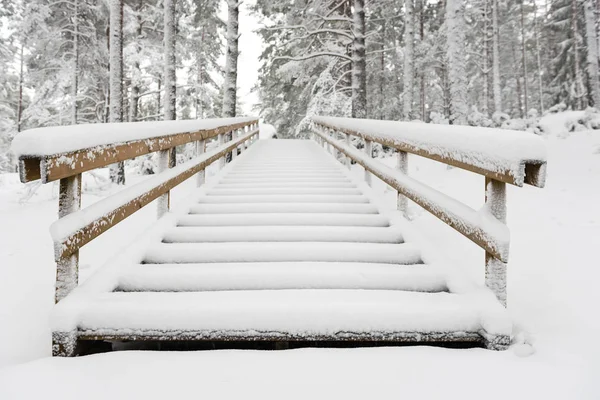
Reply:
x=553 y=298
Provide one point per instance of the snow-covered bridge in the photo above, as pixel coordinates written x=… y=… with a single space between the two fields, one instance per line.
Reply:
x=285 y=243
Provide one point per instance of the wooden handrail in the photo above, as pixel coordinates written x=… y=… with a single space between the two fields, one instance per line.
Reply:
x=77 y=227
x=416 y=138
x=51 y=167
x=486 y=227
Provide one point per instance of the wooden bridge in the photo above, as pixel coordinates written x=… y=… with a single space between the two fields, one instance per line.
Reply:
x=285 y=243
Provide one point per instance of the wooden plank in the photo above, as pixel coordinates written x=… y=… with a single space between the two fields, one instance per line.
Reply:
x=29 y=169
x=59 y=166
x=477 y=235
x=77 y=240
x=67 y=268
x=535 y=177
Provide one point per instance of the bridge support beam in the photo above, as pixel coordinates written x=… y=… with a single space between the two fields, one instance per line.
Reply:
x=403 y=167
x=67 y=267
x=495 y=270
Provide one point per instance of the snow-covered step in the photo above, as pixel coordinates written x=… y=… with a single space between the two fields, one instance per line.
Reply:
x=288 y=168
x=293 y=314
x=284 y=179
x=232 y=208
x=188 y=234
x=281 y=275
x=217 y=191
x=285 y=198
x=276 y=173
x=174 y=253
x=292 y=219
x=285 y=184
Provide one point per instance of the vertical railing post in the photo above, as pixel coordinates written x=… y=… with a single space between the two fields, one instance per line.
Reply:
x=164 y=163
x=495 y=270
x=220 y=142
x=200 y=149
x=234 y=136
x=403 y=167
x=67 y=268
x=369 y=153
x=348 y=161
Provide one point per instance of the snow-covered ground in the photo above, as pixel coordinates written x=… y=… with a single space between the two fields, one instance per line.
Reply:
x=553 y=274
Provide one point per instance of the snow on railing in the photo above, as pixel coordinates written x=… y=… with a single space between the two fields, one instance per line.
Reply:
x=501 y=156
x=63 y=153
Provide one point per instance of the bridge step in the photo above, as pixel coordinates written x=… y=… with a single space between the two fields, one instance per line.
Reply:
x=284 y=179
x=243 y=208
x=292 y=315
x=282 y=190
x=280 y=275
x=282 y=234
x=174 y=253
x=292 y=219
x=285 y=184
x=285 y=198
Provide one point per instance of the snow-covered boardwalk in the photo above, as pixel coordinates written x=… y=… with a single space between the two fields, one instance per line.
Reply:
x=284 y=244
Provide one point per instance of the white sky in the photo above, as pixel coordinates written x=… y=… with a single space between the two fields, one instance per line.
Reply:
x=250 y=46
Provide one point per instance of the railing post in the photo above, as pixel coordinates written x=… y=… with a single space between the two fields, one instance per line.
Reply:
x=164 y=163
x=403 y=167
x=369 y=153
x=220 y=142
x=348 y=161
x=67 y=268
x=495 y=270
x=234 y=136
x=200 y=149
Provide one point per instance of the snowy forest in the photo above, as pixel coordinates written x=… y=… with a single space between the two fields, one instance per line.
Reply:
x=500 y=63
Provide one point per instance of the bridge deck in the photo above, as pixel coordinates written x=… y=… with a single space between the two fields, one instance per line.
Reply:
x=284 y=244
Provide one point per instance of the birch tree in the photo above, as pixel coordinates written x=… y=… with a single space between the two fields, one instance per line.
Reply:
x=230 y=85
x=359 y=65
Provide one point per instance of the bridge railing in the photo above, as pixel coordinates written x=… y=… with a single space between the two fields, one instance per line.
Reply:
x=64 y=153
x=501 y=156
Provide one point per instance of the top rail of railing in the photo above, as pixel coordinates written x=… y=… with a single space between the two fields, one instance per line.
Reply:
x=58 y=152
x=507 y=156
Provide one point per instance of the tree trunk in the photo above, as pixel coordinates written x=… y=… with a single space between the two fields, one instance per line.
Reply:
x=578 y=84
x=117 y=171
x=455 y=50
x=496 y=58
x=486 y=96
x=539 y=59
x=409 y=38
x=517 y=79
x=170 y=69
x=230 y=86
x=75 y=77
x=382 y=79
x=137 y=72
x=524 y=61
x=422 y=72
x=592 y=52
x=21 y=82
x=359 y=64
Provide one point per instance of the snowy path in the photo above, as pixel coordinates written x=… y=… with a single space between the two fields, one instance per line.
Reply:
x=272 y=299
x=552 y=295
